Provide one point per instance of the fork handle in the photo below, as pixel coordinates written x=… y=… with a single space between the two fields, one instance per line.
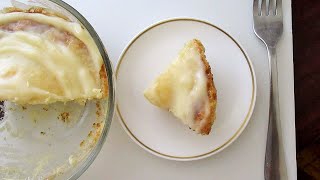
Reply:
x=272 y=162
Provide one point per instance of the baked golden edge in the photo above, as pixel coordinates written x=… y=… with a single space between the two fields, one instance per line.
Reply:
x=211 y=90
x=102 y=73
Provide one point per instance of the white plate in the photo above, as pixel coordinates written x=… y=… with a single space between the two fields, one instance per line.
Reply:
x=156 y=130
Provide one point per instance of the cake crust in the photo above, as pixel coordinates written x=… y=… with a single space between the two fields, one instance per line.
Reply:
x=206 y=124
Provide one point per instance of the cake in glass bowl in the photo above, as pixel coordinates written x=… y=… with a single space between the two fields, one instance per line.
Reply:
x=46 y=58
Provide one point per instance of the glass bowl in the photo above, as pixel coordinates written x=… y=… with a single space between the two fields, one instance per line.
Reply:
x=60 y=140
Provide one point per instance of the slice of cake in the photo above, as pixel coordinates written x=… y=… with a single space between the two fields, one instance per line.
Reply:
x=186 y=89
x=45 y=58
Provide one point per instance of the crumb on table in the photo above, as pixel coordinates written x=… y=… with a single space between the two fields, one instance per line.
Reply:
x=65 y=117
x=82 y=143
x=96 y=125
x=90 y=134
x=98 y=106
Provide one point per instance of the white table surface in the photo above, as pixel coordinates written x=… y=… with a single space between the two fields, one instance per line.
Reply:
x=118 y=21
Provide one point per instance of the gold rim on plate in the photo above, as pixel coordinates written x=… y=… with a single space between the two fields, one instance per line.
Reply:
x=229 y=141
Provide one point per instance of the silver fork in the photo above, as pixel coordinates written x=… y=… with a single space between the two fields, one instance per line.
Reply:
x=268 y=26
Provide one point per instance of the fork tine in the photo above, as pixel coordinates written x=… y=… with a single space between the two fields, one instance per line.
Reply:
x=279 y=7
x=264 y=8
x=256 y=8
x=272 y=7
